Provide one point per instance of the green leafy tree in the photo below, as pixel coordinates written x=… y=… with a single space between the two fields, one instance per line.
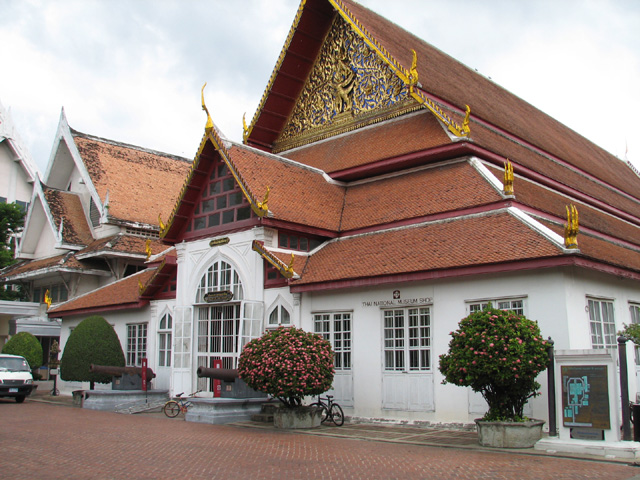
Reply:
x=11 y=223
x=288 y=363
x=93 y=341
x=27 y=346
x=499 y=354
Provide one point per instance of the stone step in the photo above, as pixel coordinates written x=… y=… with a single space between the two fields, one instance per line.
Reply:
x=262 y=417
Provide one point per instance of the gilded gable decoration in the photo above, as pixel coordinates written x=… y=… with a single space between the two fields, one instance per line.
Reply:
x=284 y=269
x=508 y=178
x=571 y=228
x=245 y=129
x=348 y=81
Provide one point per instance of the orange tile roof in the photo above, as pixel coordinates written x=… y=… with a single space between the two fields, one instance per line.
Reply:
x=141 y=183
x=298 y=194
x=123 y=243
x=121 y=294
x=66 y=207
x=546 y=200
x=602 y=250
x=392 y=138
x=627 y=181
x=414 y=194
x=66 y=261
x=463 y=242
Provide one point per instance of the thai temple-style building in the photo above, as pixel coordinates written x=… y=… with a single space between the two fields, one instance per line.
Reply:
x=382 y=192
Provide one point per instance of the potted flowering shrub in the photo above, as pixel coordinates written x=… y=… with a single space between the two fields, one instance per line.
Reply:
x=499 y=354
x=289 y=364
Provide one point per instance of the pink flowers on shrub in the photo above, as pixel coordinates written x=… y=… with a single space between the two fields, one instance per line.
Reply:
x=516 y=343
x=289 y=364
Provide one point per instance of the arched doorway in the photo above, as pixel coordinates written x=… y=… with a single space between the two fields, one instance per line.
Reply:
x=226 y=321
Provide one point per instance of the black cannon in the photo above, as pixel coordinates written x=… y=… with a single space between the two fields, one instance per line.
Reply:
x=232 y=385
x=124 y=378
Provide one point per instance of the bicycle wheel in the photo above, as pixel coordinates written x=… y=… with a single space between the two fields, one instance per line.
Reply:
x=325 y=411
x=337 y=415
x=171 y=409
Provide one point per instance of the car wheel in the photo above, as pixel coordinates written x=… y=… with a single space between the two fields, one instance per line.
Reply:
x=20 y=398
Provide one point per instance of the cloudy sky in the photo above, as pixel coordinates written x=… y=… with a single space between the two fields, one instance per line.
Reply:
x=131 y=70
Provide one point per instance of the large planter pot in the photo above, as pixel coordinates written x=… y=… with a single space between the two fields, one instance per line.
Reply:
x=509 y=434
x=299 y=417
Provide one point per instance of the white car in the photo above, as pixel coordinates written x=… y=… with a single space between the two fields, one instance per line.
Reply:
x=15 y=377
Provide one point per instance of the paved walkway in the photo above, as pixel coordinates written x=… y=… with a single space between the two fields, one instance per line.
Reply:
x=46 y=440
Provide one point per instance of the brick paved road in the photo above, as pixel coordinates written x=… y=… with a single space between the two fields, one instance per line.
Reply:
x=45 y=441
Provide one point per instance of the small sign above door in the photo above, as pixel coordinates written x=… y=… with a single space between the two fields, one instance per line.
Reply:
x=215 y=297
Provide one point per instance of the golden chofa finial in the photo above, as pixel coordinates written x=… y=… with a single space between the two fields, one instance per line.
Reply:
x=507 y=188
x=262 y=206
x=465 y=122
x=288 y=271
x=413 y=72
x=209 y=126
x=147 y=248
x=572 y=227
x=245 y=129
x=140 y=287
x=160 y=223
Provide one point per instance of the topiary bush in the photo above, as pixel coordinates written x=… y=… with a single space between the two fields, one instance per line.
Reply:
x=499 y=354
x=288 y=363
x=26 y=345
x=92 y=341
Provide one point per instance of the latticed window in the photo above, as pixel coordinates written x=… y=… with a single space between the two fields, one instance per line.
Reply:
x=515 y=305
x=336 y=328
x=602 y=323
x=136 y=344
x=279 y=316
x=222 y=202
x=407 y=339
x=164 y=340
x=220 y=277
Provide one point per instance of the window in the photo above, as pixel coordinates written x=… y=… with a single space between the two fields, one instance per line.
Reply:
x=58 y=292
x=407 y=339
x=136 y=344
x=336 y=328
x=602 y=323
x=279 y=316
x=634 y=309
x=515 y=305
x=220 y=277
x=297 y=242
x=164 y=340
x=222 y=202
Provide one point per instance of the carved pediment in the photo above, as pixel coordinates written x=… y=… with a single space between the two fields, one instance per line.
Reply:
x=349 y=86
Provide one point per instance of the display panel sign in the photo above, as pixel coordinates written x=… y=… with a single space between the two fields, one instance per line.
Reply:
x=585 y=396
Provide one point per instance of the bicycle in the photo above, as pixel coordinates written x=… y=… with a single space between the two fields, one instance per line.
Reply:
x=173 y=407
x=330 y=410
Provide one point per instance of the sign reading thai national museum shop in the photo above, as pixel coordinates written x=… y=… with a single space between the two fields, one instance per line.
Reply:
x=397 y=300
x=214 y=297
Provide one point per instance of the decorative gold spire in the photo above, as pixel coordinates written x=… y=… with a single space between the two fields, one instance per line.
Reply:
x=508 y=178
x=413 y=72
x=262 y=206
x=140 y=287
x=465 y=122
x=245 y=129
x=147 y=248
x=572 y=227
x=289 y=268
x=209 y=126
x=47 y=299
x=162 y=226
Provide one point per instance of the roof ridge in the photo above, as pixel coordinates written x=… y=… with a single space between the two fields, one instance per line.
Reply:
x=289 y=161
x=76 y=133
